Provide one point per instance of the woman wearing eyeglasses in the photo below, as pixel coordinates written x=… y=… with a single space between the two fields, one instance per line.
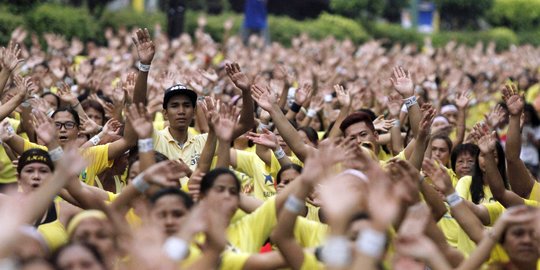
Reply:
x=64 y=128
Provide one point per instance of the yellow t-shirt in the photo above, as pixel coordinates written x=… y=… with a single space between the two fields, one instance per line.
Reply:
x=313 y=212
x=189 y=152
x=263 y=182
x=132 y=219
x=96 y=156
x=8 y=172
x=275 y=166
x=465 y=244
x=311 y=262
x=535 y=192
x=309 y=233
x=249 y=233
x=54 y=233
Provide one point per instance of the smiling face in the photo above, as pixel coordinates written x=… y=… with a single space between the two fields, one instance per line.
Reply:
x=33 y=176
x=179 y=112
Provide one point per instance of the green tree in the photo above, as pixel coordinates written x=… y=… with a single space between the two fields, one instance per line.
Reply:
x=458 y=14
x=358 y=8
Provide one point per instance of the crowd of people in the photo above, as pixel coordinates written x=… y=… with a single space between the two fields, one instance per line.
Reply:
x=150 y=153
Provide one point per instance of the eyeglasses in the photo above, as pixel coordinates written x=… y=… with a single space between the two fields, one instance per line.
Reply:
x=67 y=125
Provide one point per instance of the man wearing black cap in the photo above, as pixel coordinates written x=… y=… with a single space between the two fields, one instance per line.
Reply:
x=179 y=105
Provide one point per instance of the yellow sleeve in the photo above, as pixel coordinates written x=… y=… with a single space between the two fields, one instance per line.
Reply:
x=251 y=232
x=98 y=160
x=495 y=209
x=462 y=187
x=29 y=145
x=535 y=192
x=311 y=262
x=309 y=233
x=233 y=261
x=245 y=162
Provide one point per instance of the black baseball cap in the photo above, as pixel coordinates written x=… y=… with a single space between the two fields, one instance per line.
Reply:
x=179 y=89
x=34 y=155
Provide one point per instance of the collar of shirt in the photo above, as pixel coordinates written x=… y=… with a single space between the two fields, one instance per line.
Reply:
x=170 y=138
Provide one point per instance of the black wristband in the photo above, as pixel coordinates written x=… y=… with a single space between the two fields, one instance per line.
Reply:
x=295 y=107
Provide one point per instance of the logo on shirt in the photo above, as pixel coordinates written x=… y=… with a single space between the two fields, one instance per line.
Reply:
x=268 y=180
x=195 y=159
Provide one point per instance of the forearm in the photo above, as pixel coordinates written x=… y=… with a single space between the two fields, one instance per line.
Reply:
x=139 y=93
x=468 y=222
x=200 y=120
x=432 y=198
x=4 y=77
x=414 y=118
x=80 y=111
x=395 y=136
x=417 y=155
x=452 y=255
x=461 y=124
x=264 y=153
x=343 y=113
x=248 y=203
x=520 y=179
x=247 y=118
x=283 y=97
x=289 y=134
x=16 y=143
x=7 y=108
x=513 y=138
x=224 y=157
x=207 y=154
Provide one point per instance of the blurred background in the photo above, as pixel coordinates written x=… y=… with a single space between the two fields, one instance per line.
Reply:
x=505 y=22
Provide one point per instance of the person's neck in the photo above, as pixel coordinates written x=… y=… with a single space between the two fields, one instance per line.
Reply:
x=521 y=265
x=179 y=135
x=240 y=144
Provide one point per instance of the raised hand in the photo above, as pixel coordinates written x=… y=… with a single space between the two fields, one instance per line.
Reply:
x=427 y=120
x=462 y=99
x=164 y=174
x=225 y=122
x=140 y=120
x=6 y=130
x=145 y=46
x=44 y=127
x=382 y=124
x=264 y=96
x=118 y=96
x=438 y=176
x=495 y=117
x=394 y=104
x=129 y=85
x=89 y=127
x=267 y=138
x=72 y=162
x=209 y=75
x=302 y=94
x=238 y=77
x=65 y=94
x=343 y=96
x=316 y=103
x=112 y=127
x=25 y=86
x=402 y=82
x=10 y=59
x=487 y=143
x=514 y=101
x=194 y=184
x=415 y=221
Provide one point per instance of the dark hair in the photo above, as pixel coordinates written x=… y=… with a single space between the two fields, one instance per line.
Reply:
x=357 y=117
x=92 y=249
x=209 y=179
x=311 y=134
x=371 y=113
x=71 y=111
x=134 y=157
x=477 y=184
x=55 y=97
x=535 y=121
x=445 y=138
x=465 y=148
x=34 y=155
x=87 y=104
x=186 y=199
x=290 y=166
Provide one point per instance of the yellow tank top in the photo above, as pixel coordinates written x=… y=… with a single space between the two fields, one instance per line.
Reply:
x=54 y=232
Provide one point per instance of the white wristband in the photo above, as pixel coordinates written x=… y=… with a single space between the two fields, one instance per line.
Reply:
x=336 y=252
x=293 y=204
x=146 y=145
x=279 y=153
x=453 y=199
x=56 y=154
x=410 y=101
x=10 y=130
x=397 y=123
x=311 y=113
x=176 y=248
x=371 y=242
x=95 y=140
x=328 y=98
x=140 y=184
x=142 y=67
x=262 y=126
